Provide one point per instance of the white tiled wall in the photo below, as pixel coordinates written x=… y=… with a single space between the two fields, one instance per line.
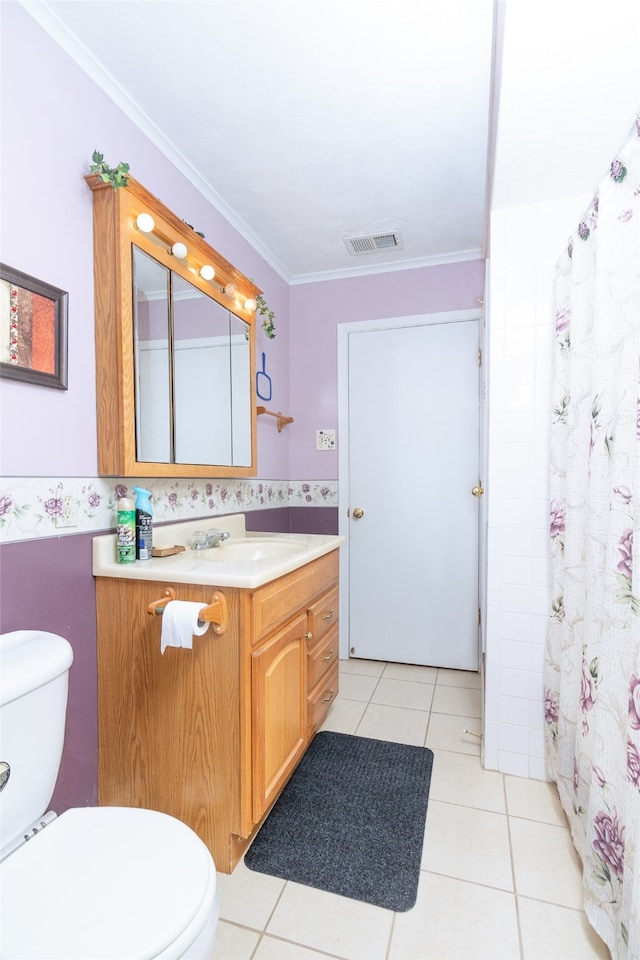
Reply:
x=525 y=245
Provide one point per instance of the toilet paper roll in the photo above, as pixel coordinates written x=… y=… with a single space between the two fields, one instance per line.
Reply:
x=180 y=624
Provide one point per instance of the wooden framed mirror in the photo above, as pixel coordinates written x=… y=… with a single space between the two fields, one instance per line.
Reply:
x=175 y=344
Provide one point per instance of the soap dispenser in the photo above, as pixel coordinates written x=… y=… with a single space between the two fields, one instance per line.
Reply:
x=144 y=523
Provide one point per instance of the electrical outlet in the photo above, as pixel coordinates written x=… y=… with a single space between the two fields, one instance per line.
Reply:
x=325 y=439
x=68 y=515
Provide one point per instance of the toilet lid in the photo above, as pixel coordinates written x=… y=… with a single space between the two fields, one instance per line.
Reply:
x=106 y=883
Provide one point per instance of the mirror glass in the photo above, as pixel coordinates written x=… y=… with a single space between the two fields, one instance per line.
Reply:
x=192 y=372
x=152 y=359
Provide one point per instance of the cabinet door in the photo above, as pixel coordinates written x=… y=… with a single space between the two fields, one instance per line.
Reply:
x=278 y=678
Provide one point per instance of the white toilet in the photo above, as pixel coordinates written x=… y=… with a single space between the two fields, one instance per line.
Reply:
x=95 y=883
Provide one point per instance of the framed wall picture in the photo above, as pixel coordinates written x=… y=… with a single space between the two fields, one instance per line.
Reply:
x=33 y=330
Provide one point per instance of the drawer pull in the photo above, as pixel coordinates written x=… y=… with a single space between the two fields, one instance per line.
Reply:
x=330 y=697
x=308 y=636
x=329 y=656
x=328 y=616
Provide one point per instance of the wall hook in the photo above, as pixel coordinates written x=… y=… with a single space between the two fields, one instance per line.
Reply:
x=282 y=420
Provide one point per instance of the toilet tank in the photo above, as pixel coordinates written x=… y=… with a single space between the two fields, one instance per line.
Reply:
x=34 y=672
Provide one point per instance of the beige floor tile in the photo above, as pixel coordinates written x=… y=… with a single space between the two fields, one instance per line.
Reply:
x=462 y=701
x=534 y=800
x=248 y=897
x=356 y=687
x=409 y=671
x=454 y=920
x=234 y=943
x=446 y=732
x=332 y=924
x=403 y=693
x=482 y=828
x=458 y=678
x=467 y=844
x=367 y=668
x=460 y=779
x=395 y=724
x=344 y=715
x=272 y=949
x=545 y=862
x=552 y=931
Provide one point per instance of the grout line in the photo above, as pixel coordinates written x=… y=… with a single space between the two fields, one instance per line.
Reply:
x=302 y=946
x=392 y=929
x=513 y=867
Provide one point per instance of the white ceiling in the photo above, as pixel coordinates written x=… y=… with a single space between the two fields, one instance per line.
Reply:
x=308 y=121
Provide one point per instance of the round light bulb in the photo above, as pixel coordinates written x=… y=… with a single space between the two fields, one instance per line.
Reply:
x=250 y=305
x=207 y=272
x=145 y=222
x=231 y=289
x=179 y=250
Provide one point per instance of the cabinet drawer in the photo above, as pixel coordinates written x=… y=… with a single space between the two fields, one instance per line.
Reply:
x=276 y=602
x=321 y=657
x=321 y=698
x=323 y=615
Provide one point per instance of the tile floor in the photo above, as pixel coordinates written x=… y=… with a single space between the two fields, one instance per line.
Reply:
x=499 y=877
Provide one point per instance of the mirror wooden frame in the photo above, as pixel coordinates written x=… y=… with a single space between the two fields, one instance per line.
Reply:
x=115 y=212
x=38 y=296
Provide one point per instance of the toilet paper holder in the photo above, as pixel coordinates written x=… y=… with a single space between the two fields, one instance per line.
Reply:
x=215 y=612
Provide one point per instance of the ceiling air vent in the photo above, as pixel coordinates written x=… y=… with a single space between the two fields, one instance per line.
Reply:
x=373 y=243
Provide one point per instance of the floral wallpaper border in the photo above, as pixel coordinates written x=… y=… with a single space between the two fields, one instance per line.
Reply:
x=34 y=507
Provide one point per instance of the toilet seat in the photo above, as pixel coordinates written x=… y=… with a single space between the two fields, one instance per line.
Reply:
x=107 y=883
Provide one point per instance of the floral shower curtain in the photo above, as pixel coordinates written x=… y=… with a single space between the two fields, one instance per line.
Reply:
x=592 y=670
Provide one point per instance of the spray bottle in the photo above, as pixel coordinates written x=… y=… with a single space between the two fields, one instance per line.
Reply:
x=126 y=531
x=144 y=523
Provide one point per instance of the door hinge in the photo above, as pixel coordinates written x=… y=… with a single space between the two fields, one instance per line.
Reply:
x=479 y=357
x=479 y=617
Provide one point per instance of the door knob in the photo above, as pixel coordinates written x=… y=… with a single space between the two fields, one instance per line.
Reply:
x=358 y=513
x=477 y=491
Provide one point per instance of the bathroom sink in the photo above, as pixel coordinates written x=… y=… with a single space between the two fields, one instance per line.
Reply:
x=248 y=559
x=250 y=550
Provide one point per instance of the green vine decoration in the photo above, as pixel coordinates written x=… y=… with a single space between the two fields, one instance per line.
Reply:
x=191 y=227
x=267 y=315
x=116 y=176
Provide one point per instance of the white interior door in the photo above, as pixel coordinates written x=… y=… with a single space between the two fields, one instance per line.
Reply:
x=413 y=460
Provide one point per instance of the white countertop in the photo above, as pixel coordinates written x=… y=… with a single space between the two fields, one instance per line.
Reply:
x=192 y=566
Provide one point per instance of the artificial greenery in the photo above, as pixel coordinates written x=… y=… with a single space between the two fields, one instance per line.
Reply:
x=267 y=315
x=191 y=227
x=116 y=176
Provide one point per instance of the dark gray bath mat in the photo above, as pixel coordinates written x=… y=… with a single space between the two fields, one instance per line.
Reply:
x=350 y=821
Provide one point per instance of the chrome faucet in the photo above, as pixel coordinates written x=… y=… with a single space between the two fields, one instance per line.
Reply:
x=204 y=539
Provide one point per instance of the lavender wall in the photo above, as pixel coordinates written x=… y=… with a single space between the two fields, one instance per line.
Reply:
x=49 y=131
x=316 y=311
x=48 y=586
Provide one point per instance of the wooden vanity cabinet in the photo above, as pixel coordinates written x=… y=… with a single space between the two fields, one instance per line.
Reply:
x=322 y=658
x=212 y=734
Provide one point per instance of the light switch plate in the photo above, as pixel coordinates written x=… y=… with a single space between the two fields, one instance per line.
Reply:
x=325 y=439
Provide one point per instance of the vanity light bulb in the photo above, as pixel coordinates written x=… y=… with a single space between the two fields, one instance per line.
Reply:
x=179 y=250
x=145 y=222
x=250 y=305
x=207 y=272
x=231 y=289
